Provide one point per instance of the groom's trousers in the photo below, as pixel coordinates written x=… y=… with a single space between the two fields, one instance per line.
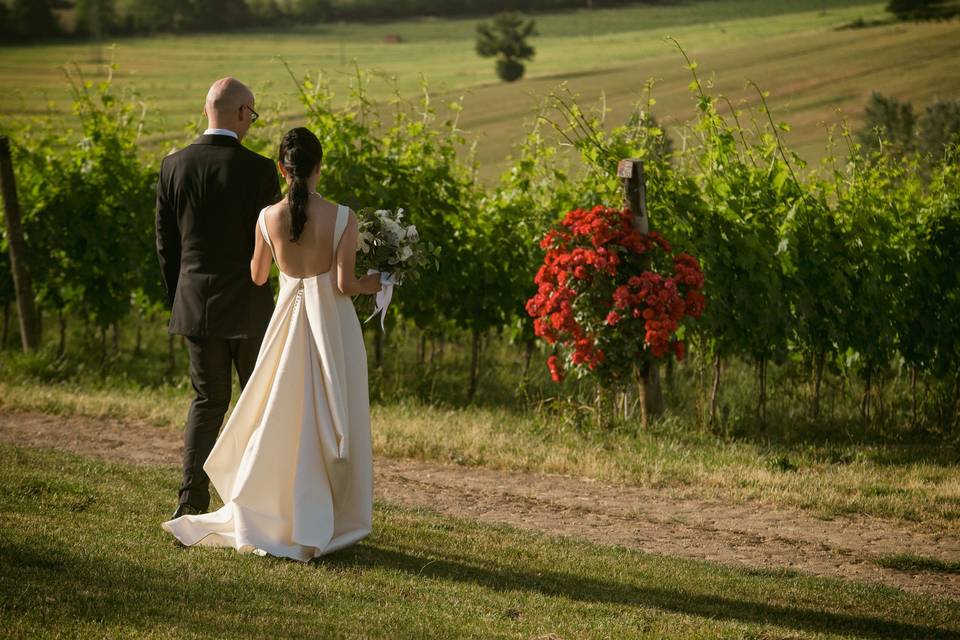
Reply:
x=212 y=361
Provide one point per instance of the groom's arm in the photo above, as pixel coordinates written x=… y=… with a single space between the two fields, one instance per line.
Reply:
x=168 y=236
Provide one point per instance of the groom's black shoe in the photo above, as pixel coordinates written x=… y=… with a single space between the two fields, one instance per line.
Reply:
x=187 y=509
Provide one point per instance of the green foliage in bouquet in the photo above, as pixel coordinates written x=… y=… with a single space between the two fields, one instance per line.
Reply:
x=385 y=244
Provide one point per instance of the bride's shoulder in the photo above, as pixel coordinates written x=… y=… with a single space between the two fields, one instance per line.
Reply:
x=346 y=212
x=336 y=208
x=324 y=207
x=274 y=210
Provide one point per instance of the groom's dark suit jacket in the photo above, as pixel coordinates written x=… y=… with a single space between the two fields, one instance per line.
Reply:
x=209 y=195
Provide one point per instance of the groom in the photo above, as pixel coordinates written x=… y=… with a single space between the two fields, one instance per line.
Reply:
x=209 y=195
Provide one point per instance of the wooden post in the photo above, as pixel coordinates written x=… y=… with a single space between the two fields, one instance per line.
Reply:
x=6 y=326
x=635 y=198
x=474 y=365
x=634 y=192
x=29 y=327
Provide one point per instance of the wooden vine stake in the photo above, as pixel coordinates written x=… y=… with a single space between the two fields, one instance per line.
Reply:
x=631 y=177
x=29 y=324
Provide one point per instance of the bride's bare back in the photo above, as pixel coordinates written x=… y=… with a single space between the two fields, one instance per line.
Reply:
x=312 y=254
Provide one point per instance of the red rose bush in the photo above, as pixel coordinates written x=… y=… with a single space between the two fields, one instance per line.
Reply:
x=609 y=297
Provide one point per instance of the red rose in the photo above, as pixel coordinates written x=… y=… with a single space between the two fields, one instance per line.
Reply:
x=556 y=372
x=678 y=349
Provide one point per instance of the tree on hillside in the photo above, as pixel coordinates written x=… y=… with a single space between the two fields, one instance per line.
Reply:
x=888 y=120
x=892 y=122
x=939 y=127
x=506 y=40
x=921 y=9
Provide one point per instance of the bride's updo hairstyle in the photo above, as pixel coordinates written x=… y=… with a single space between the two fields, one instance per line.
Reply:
x=300 y=153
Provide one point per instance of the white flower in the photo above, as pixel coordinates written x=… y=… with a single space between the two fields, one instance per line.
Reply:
x=364 y=240
x=412 y=233
x=405 y=253
x=391 y=227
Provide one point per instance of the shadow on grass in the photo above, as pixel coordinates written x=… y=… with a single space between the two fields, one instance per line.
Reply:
x=120 y=594
x=585 y=589
x=913 y=562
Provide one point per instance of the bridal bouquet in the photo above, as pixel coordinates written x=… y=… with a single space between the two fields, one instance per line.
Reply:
x=387 y=245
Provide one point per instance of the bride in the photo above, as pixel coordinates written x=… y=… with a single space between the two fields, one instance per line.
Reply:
x=293 y=464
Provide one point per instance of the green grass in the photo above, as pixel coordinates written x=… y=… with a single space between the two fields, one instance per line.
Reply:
x=830 y=468
x=83 y=556
x=175 y=71
x=793 y=49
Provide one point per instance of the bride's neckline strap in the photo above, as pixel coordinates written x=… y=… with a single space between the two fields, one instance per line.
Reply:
x=262 y=223
x=340 y=225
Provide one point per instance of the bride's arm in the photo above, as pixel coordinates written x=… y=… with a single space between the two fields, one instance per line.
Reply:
x=347 y=279
x=262 y=257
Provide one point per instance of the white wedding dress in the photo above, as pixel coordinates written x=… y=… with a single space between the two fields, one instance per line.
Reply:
x=294 y=462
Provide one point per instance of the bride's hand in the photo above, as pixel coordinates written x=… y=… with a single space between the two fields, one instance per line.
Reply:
x=370 y=283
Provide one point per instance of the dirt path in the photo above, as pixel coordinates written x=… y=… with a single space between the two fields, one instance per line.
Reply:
x=751 y=535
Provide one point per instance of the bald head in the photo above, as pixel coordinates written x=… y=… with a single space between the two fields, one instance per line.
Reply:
x=229 y=105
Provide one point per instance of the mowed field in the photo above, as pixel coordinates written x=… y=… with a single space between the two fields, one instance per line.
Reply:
x=816 y=72
x=815 y=80
x=83 y=556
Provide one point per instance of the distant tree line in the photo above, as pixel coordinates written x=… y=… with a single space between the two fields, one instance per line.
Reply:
x=923 y=9
x=29 y=20
x=379 y=9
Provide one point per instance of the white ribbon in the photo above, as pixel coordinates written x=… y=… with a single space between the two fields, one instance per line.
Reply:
x=387 y=282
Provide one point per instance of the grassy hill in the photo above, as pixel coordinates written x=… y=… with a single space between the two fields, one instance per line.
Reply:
x=817 y=72
x=815 y=79
x=792 y=48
